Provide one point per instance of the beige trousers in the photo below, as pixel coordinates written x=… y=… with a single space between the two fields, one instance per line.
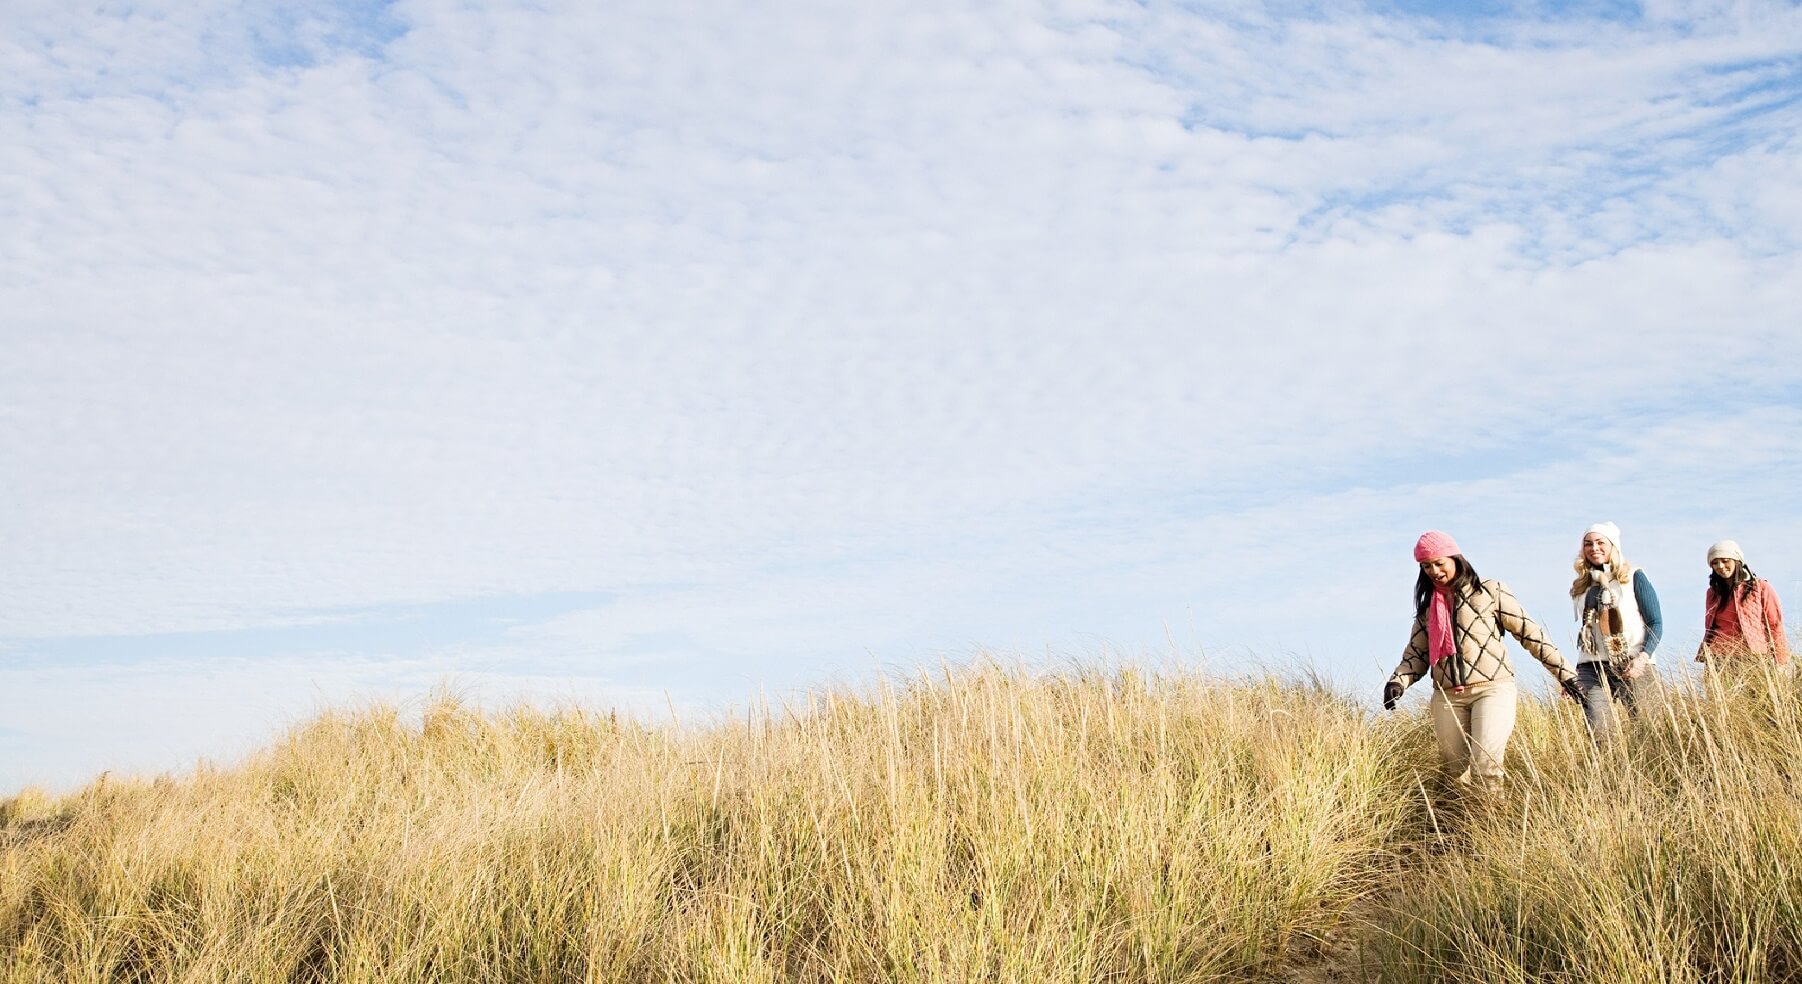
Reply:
x=1473 y=729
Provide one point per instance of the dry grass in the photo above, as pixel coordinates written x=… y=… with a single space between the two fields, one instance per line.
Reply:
x=983 y=825
x=1674 y=855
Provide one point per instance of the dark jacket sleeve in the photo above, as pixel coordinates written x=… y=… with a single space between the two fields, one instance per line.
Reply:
x=1648 y=610
x=1414 y=664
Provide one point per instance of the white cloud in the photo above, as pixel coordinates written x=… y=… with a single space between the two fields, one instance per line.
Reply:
x=839 y=329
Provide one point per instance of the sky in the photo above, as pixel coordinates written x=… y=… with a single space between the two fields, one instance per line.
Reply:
x=673 y=357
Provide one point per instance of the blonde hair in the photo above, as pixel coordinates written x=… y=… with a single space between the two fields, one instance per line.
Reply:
x=1618 y=569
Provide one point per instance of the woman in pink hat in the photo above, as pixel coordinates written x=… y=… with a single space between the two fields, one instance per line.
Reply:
x=1459 y=621
x=1619 y=625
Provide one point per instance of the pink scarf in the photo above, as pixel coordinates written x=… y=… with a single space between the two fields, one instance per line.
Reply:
x=1439 y=625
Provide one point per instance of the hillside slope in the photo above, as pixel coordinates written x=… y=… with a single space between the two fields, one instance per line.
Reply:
x=982 y=824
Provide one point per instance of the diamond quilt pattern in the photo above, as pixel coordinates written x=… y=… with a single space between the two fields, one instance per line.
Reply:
x=1482 y=615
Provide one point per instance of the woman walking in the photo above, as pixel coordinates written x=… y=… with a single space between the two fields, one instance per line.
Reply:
x=1459 y=620
x=1742 y=623
x=1619 y=627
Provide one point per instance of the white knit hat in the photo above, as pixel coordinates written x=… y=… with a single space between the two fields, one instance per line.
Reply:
x=1609 y=530
x=1725 y=548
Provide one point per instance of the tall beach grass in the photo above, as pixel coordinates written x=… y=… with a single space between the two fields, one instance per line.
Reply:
x=1672 y=855
x=979 y=825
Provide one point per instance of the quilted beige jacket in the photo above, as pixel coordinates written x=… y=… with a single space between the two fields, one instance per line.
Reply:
x=1480 y=614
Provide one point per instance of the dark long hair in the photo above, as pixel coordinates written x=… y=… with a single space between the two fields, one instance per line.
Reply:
x=1721 y=589
x=1423 y=585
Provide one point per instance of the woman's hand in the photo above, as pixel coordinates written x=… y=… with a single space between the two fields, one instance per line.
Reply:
x=1635 y=668
x=1392 y=692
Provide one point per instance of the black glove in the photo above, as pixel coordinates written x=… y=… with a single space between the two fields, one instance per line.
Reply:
x=1573 y=690
x=1392 y=693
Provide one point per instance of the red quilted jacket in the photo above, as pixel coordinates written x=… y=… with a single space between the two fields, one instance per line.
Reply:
x=1760 y=621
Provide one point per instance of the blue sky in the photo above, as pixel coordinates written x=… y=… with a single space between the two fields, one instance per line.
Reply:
x=658 y=357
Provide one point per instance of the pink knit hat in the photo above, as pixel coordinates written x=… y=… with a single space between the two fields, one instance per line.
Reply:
x=1434 y=544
